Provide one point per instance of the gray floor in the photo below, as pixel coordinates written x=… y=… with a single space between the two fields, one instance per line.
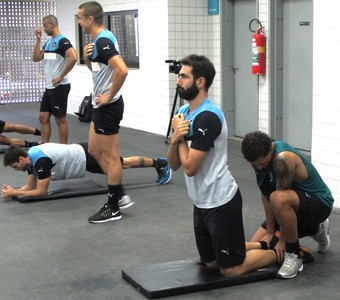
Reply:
x=50 y=251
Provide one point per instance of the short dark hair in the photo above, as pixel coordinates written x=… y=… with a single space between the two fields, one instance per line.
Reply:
x=255 y=145
x=51 y=19
x=94 y=9
x=12 y=155
x=201 y=67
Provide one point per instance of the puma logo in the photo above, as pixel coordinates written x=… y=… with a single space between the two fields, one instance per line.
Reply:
x=203 y=131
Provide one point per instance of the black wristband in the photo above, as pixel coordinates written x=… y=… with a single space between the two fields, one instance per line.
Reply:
x=264 y=245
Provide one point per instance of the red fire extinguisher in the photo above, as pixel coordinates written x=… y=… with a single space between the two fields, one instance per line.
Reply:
x=258 y=58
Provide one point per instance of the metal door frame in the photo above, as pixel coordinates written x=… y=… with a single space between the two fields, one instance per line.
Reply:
x=276 y=18
x=228 y=60
x=276 y=69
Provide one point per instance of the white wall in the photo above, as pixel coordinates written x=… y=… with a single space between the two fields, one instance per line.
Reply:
x=145 y=92
x=172 y=29
x=326 y=94
x=325 y=150
x=192 y=30
x=167 y=30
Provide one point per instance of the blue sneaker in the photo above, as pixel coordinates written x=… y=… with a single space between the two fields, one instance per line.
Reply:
x=164 y=173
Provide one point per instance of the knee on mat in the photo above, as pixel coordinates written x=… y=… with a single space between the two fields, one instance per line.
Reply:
x=231 y=271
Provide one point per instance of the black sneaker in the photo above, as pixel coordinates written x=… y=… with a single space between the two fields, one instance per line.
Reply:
x=105 y=214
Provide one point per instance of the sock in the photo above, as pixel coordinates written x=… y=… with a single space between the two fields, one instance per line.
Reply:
x=275 y=255
x=293 y=248
x=264 y=245
x=114 y=195
x=159 y=163
x=31 y=144
x=274 y=242
x=122 y=193
x=37 y=132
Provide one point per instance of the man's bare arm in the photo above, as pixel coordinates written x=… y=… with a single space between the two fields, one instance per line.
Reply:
x=28 y=190
x=284 y=168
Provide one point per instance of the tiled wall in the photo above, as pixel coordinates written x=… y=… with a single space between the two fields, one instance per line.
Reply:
x=326 y=94
x=192 y=30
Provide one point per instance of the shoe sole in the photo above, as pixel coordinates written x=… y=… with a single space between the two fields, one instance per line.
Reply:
x=125 y=206
x=107 y=220
x=289 y=276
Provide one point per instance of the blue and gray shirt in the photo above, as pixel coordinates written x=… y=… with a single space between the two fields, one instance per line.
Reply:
x=55 y=59
x=213 y=185
x=58 y=161
x=105 y=47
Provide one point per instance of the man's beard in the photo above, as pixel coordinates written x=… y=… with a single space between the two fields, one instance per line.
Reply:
x=188 y=94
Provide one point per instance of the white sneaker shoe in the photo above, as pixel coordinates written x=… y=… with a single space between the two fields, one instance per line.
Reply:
x=322 y=236
x=125 y=202
x=291 y=266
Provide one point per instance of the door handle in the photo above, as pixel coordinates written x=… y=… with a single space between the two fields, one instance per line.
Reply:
x=234 y=68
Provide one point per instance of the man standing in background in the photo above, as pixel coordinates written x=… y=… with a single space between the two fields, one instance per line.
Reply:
x=108 y=73
x=59 y=58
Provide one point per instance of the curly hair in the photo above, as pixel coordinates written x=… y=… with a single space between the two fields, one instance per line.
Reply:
x=255 y=145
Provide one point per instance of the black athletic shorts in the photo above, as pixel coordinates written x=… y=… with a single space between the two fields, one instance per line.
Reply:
x=54 y=100
x=2 y=125
x=219 y=233
x=312 y=211
x=107 y=118
x=91 y=163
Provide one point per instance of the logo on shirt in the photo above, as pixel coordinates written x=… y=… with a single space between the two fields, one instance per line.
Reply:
x=225 y=251
x=54 y=44
x=270 y=175
x=203 y=131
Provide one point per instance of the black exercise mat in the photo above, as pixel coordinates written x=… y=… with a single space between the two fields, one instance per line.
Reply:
x=185 y=276
x=3 y=150
x=67 y=189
